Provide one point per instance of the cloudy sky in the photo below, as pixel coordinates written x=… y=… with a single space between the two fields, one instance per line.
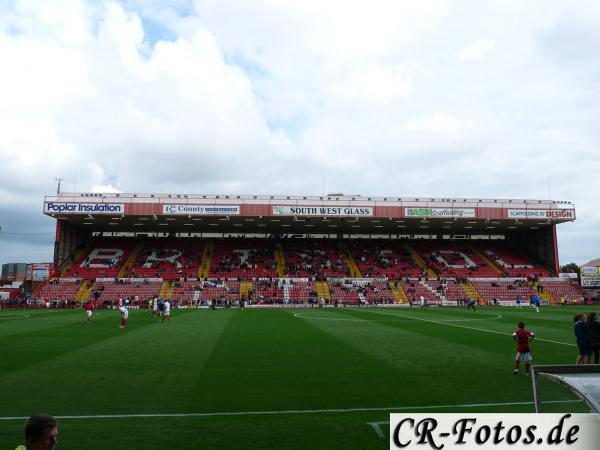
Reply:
x=444 y=98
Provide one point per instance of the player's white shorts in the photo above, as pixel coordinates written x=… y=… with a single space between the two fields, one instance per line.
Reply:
x=523 y=357
x=167 y=313
x=88 y=313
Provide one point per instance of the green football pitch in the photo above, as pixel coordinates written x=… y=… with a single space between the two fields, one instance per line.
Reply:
x=267 y=378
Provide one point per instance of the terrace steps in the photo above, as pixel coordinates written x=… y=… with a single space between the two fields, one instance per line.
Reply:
x=130 y=260
x=352 y=266
x=322 y=289
x=166 y=290
x=472 y=293
x=280 y=260
x=418 y=259
x=83 y=294
x=487 y=260
x=399 y=293
x=78 y=255
x=544 y=295
x=204 y=268
x=245 y=287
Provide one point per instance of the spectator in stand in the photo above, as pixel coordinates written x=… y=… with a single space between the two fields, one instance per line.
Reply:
x=593 y=327
x=583 y=343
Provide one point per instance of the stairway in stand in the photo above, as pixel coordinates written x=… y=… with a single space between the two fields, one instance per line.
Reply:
x=130 y=260
x=487 y=260
x=280 y=260
x=322 y=289
x=398 y=292
x=246 y=286
x=83 y=294
x=420 y=261
x=352 y=266
x=472 y=293
x=204 y=269
x=166 y=290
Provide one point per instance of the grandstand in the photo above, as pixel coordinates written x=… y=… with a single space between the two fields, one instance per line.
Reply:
x=203 y=249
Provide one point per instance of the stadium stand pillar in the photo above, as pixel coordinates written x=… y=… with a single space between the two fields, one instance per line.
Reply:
x=398 y=291
x=204 y=269
x=487 y=260
x=130 y=259
x=166 y=290
x=472 y=293
x=420 y=261
x=280 y=259
x=322 y=289
x=83 y=294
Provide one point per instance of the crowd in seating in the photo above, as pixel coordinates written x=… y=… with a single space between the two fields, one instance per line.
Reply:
x=306 y=262
x=510 y=262
x=454 y=260
x=167 y=259
x=313 y=259
x=238 y=258
x=377 y=259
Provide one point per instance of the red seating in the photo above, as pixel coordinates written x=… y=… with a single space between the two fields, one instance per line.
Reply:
x=562 y=289
x=502 y=290
x=267 y=291
x=240 y=258
x=319 y=259
x=301 y=291
x=453 y=260
x=380 y=259
x=111 y=291
x=57 y=290
x=104 y=260
x=168 y=259
x=415 y=289
x=509 y=261
x=220 y=291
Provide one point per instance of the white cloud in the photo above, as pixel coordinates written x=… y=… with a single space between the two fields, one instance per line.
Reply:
x=476 y=51
x=267 y=96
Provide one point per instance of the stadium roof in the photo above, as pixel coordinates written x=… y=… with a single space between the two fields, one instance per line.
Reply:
x=288 y=214
x=592 y=263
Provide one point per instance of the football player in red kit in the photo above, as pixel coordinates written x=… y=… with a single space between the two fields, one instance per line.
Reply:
x=89 y=310
x=522 y=337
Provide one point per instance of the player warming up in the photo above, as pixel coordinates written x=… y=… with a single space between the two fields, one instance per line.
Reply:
x=89 y=310
x=167 y=312
x=124 y=316
x=471 y=305
x=522 y=336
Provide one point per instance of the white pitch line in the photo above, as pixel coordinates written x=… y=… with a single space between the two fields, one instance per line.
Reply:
x=464 y=326
x=302 y=316
x=15 y=316
x=291 y=411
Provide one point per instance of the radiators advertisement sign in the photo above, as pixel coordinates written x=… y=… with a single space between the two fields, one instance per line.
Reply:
x=84 y=208
x=201 y=210
x=439 y=212
x=590 y=276
x=304 y=211
x=541 y=214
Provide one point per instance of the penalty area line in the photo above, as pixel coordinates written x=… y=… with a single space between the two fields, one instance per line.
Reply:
x=291 y=411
